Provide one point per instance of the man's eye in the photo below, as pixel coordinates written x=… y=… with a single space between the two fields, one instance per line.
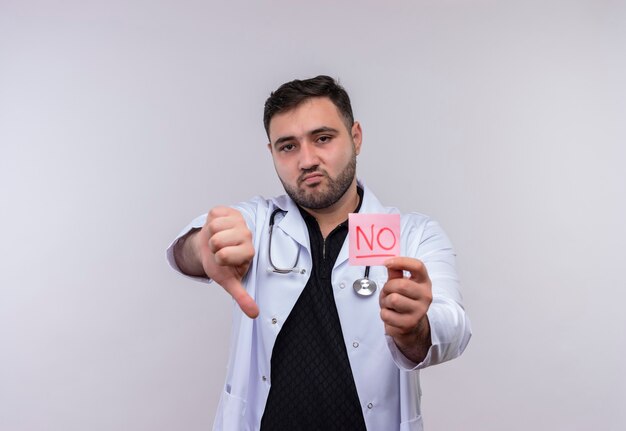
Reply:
x=324 y=139
x=287 y=147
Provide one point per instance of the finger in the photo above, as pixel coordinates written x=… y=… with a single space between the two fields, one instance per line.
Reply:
x=397 y=322
x=414 y=266
x=222 y=223
x=220 y=218
x=221 y=211
x=421 y=329
x=399 y=303
x=235 y=255
x=243 y=299
x=407 y=287
x=229 y=238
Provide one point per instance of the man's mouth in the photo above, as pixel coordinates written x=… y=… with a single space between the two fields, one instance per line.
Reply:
x=312 y=178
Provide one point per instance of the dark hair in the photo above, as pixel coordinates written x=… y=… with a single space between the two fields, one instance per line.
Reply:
x=291 y=94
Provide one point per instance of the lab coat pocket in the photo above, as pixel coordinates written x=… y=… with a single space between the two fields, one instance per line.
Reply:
x=414 y=424
x=231 y=414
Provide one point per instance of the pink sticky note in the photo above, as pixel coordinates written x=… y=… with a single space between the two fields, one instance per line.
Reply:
x=373 y=238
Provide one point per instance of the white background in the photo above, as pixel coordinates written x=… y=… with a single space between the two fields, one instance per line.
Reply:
x=122 y=120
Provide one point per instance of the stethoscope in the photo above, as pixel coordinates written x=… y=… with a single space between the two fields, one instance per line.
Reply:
x=362 y=286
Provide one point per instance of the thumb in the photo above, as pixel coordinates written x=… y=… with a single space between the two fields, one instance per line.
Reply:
x=243 y=299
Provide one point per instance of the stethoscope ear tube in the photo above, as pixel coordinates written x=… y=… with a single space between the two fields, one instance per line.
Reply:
x=274 y=268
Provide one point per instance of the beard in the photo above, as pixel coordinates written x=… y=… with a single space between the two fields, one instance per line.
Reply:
x=337 y=187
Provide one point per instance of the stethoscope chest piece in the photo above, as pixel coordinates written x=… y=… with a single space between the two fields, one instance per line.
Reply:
x=364 y=287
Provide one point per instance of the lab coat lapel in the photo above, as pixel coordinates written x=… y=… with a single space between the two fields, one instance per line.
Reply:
x=292 y=224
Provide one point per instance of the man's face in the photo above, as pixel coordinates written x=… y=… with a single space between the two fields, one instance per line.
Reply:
x=314 y=152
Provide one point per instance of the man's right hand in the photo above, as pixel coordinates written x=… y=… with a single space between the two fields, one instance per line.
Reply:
x=224 y=248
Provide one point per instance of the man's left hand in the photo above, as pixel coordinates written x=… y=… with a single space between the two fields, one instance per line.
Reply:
x=404 y=302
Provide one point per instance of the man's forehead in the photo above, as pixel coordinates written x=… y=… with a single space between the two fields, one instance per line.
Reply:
x=309 y=115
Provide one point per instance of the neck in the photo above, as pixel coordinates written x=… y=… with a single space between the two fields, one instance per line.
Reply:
x=328 y=218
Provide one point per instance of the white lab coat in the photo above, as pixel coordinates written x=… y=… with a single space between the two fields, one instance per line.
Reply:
x=387 y=383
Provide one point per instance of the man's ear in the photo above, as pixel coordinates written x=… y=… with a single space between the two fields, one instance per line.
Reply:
x=357 y=136
x=269 y=147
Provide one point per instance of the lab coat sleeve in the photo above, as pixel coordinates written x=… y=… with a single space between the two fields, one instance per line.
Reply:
x=449 y=325
x=247 y=209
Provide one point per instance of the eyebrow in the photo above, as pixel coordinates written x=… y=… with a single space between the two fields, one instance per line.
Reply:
x=323 y=129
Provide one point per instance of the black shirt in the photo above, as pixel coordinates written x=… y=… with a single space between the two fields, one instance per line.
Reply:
x=312 y=383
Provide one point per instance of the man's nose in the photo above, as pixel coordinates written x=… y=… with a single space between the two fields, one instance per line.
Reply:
x=308 y=156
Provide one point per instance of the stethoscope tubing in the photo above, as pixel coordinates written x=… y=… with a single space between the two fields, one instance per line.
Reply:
x=362 y=286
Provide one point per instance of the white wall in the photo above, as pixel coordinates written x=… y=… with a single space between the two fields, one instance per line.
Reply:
x=122 y=120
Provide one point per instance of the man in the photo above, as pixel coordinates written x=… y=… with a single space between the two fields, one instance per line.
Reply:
x=308 y=352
